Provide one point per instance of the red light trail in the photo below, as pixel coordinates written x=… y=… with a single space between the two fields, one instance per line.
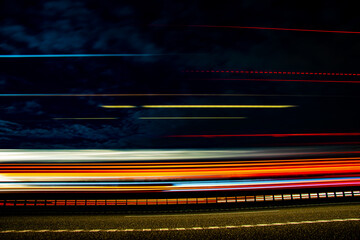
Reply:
x=267 y=135
x=279 y=80
x=317 y=143
x=272 y=72
x=261 y=28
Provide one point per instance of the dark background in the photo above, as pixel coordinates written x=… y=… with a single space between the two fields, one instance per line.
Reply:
x=160 y=27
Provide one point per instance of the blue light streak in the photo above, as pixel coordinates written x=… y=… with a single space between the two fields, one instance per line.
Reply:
x=210 y=183
x=78 y=55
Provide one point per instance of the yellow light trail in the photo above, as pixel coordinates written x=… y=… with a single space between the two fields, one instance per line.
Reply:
x=188 y=118
x=199 y=106
x=218 y=106
x=118 y=106
x=108 y=118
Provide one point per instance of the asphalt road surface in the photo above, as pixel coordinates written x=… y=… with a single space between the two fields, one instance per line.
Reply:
x=335 y=221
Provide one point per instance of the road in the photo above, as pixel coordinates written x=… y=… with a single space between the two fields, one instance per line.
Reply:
x=335 y=221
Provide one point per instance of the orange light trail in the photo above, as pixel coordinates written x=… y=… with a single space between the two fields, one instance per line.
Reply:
x=129 y=171
x=109 y=166
x=21 y=177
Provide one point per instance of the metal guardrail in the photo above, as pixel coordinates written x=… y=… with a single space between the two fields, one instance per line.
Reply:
x=174 y=201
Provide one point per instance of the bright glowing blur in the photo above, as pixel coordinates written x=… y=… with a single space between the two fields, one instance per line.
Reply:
x=176 y=170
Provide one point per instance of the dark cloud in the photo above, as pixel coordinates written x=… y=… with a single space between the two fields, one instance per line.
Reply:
x=26 y=108
x=67 y=135
x=71 y=27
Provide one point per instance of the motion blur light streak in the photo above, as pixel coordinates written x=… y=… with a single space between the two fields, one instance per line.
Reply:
x=188 y=118
x=272 y=72
x=79 y=156
x=267 y=135
x=281 y=80
x=77 y=55
x=109 y=118
x=124 y=171
x=262 y=28
x=218 y=106
x=183 y=186
x=317 y=143
x=157 y=95
x=200 y=106
x=118 y=106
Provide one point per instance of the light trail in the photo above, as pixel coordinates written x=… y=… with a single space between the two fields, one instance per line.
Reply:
x=78 y=55
x=199 y=106
x=108 y=118
x=118 y=106
x=218 y=106
x=280 y=80
x=267 y=135
x=213 y=175
x=174 y=170
x=14 y=156
x=152 y=95
x=181 y=164
x=273 y=72
x=264 y=28
x=188 y=118
x=318 y=143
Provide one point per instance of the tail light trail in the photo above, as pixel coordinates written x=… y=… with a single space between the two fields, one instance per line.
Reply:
x=273 y=72
x=171 y=170
x=263 y=28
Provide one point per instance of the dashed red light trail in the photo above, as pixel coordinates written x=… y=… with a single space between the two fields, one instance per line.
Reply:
x=273 y=72
x=280 y=80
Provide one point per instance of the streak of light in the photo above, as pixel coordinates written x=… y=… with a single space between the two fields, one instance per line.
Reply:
x=267 y=28
x=152 y=95
x=272 y=72
x=168 y=165
x=317 y=143
x=77 y=55
x=188 y=118
x=181 y=186
x=218 y=106
x=239 y=170
x=267 y=135
x=281 y=80
x=81 y=156
x=105 y=118
x=118 y=106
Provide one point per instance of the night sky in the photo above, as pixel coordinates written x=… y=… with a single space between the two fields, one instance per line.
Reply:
x=182 y=56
